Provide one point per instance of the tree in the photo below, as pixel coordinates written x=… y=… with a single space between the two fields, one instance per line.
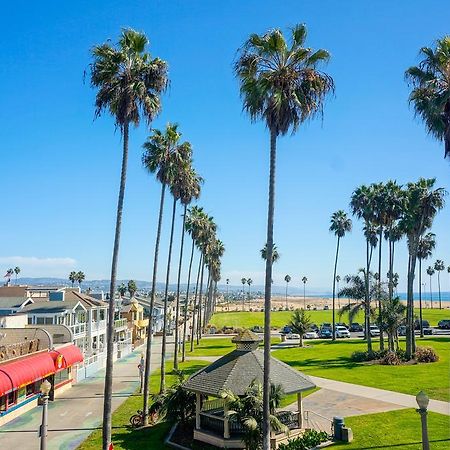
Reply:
x=80 y=277
x=430 y=95
x=422 y=203
x=188 y=185
x=427 y=244
x=304 y=281
x=132 y=288
x=275 y=254
x=249 y=282
x=280 y=83
x=392 y=316
x=244 y=282
x=356 y=290
x=300 y=323
x=438 y=267
x=9 y=274
x=430 y=272
x=247 y=410
x=129 y=83
x=287 y=278
x=340 y=224
x=122 y=289
x=16 y=271
x=72 y=277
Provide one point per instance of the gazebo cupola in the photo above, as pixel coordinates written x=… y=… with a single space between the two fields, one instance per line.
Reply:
x=247 y=341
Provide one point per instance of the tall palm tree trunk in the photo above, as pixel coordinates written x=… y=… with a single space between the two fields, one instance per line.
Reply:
x=410 y=338
x=177 y=312
x=162 y=386
x=439 y=288
x=367 y=303
x=207 y=297
x=431 y=294
x=379 y=288
x=286 y=296
x=200 y=304
x=391 y=263
x=195 y=312
x=334 y=288
x=420 y=297
x=148 y=350
x=268 y=291
x=183 y=351
x=107 y=402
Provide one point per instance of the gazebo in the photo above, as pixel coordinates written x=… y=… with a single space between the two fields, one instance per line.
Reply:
x=235 y=372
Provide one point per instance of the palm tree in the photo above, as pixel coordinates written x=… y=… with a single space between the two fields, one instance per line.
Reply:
x=287 y=278
x=188 y=186
x=392 y=316
x=300 y=323
x=340 y=224
x=122 y=289
x=249 y=282
x=16 y=271
x=427 y=244
x=422 y=203
x=279 y=83
x=438 y=267
x=275 y=254
x=247 y=410
x=338 y=280
x=178 y=161
x=9 y=274
x=304 y=281
x=72 y=277
x=430 y=95
x=430 y=272
x=80 y=277
x=244 y=282
x=129 y=83
x=132 y=288
x=361 y=204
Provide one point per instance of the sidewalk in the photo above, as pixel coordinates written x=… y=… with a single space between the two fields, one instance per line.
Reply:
x=74 y=415
x=394 y=398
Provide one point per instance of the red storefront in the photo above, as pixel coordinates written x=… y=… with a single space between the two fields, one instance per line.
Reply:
x=21 y=378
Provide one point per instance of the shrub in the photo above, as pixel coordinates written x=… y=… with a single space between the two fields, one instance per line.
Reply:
x=390 y=359
x=359 y=356
x=310 y=439
x=402 y=354
x=426 y=355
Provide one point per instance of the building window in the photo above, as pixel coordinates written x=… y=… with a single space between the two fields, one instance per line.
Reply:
x=40 y=321
x=30 y=321
x=102 y=314
x=3 y=403
x=62 y=376
x=12 y=398
x=32 y=389
x=48 y=321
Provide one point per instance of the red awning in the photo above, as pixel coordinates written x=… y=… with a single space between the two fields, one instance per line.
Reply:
x=66 y=356
x=15 y=374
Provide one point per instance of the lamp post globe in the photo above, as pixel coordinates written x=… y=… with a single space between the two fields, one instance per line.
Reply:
x=423 y=401
x=45 y=387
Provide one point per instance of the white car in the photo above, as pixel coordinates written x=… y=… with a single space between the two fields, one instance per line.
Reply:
x=311 y=335
x=342 y=332
x=374 y=331
x=292 y=336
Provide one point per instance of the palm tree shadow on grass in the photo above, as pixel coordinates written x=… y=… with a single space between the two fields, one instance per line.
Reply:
x=152 y=437
x=418 y=443
x=340 y=362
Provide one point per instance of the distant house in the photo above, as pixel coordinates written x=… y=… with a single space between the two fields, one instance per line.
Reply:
x=133 y=312
x=12 y=305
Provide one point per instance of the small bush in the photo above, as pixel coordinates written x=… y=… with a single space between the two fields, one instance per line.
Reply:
x=359 y=356
x=390 y=359
x=401 y=354
x=310 y=439
x=426 y=355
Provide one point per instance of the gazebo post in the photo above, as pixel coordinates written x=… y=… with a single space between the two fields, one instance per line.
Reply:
x=300 y=409
x=226 y=422
x=197 y=410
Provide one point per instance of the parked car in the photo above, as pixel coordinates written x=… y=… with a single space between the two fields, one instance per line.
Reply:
x=326 y=325
x=428 y=331
x=326 y=308
x=342 y=324
x=355 y=327
x=292 y=336
x=341 y=332
x=257 y=329
x=286 y=330
x=401 y=330
x=314 y=327
x=425 y=324
x=374 y=330
x=311 y=335
x=444 y=323
x=325 y=333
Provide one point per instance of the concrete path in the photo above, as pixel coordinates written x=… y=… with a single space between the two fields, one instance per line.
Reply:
x=74 y=415
x=388 y=397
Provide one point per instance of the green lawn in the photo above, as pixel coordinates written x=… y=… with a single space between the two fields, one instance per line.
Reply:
x=123 y=436
x=396 y=429
x=281 y=318
x=328 y=360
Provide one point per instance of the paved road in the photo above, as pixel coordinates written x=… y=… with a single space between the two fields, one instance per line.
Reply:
x=74 y=415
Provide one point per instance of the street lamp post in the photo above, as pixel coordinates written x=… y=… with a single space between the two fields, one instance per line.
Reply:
x=423 y=400
x=45 y=390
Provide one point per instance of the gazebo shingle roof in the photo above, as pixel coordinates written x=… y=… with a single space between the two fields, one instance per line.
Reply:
x=236 y=371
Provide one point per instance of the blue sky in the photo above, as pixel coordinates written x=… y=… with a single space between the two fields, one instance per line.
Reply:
x=61 y=168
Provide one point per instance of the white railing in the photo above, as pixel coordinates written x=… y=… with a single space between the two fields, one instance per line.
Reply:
x=79 y=328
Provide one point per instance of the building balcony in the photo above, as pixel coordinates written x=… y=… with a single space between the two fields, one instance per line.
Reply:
x=120 y=324
x=78 y=329
x=142 y=322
